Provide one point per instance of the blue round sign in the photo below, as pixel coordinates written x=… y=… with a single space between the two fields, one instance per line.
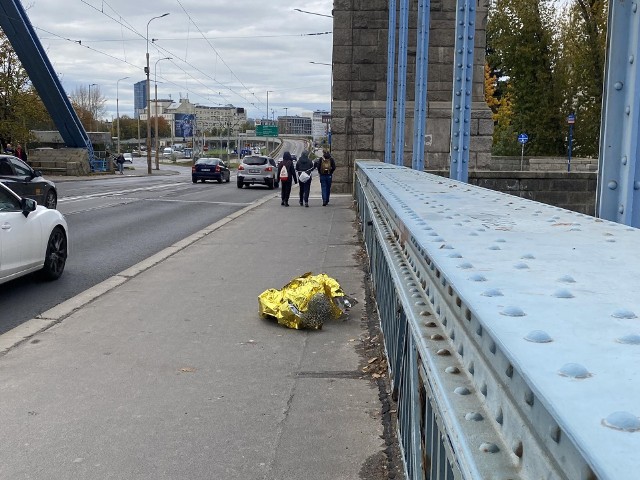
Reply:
x=523 y=138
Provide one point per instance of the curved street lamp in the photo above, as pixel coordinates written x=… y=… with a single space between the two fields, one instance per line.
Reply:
x=149 y=98
x=155 y=81
x=118 y=112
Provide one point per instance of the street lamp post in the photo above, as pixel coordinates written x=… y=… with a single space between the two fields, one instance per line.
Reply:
x=149 y=98
x=118 y=112
x=155 y=81
x=91 y=106
x=267 y=142
x=286 y=119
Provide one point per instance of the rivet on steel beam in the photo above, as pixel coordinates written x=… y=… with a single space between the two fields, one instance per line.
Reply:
x=452 y=370
x=567 y=279
x=465 y=266
x=443 y=352
x=436 y=337
x=521 y=266
x=478 y=278
x=492 y=292
x=624 y=160
x=574 y=370
x=623 y=313
x=621 y=209
x=636 y=185
x=431 y=324
x=627 y=110
x=528 y=256
x=474 y=417
x=512 y=311
x=632 y=339
x=494 y=247
x=462 y=391
x=618 y=85
x=562 y=293
x=612 y=185
x=631 y=59
x=489 y=447
x=625 y=421
x=634 y=8
x=538 y=336
x=554 y=433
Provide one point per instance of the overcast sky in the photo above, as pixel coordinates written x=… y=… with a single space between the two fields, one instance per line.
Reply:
x=223 y=51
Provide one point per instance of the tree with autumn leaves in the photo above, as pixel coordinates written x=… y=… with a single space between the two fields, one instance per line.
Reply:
x=542 y=65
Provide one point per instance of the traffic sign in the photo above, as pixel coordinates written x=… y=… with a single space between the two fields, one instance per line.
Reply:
x=523 y=138
x=266 y=130
x=571 y=119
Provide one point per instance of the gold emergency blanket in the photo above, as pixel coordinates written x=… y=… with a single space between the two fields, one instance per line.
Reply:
x=305 y=302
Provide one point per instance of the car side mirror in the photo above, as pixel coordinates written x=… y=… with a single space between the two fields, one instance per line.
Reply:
x=37 y=173
x=28 y=205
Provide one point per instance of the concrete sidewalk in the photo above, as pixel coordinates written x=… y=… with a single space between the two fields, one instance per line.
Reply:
x=166 y=371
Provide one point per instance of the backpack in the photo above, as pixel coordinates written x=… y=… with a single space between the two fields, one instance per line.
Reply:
x=325 y=166
x=284 y=173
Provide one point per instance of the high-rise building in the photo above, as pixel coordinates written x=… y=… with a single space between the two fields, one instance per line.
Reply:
x=139 y=98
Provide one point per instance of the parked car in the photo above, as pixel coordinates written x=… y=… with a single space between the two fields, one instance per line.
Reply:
x=33 y=238
x=257 y=169
x=208 y=168
x=128 y=158
x=27 y=182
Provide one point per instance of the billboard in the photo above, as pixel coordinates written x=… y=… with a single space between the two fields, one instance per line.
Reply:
x=184 y=124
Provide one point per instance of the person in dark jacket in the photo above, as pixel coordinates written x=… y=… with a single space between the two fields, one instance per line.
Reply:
x=287 y=164
x=305 y=165
x=326 y=165
x=20 y=153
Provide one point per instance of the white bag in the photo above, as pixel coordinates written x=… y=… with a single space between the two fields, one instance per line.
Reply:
x=304 y=177
x=284 y=174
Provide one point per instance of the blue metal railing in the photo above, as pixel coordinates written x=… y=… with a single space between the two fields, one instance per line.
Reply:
x=498 y=321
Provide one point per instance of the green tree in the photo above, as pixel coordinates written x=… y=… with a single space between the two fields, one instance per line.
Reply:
x=21 y=109
x=522 y=53
x=580 y=69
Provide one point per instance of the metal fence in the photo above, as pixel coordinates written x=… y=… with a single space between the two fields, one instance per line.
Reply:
x=484 y=383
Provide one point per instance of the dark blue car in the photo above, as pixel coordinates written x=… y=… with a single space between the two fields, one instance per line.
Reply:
x=210 y=169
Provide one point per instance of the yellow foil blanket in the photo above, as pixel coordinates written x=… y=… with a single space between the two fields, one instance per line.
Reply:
x=299 y=304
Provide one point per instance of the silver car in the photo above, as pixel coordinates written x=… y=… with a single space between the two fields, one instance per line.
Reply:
x=258 y=169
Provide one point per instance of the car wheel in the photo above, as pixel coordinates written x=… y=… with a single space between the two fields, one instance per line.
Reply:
x=202 y=180
x=56 y=256
x=51 y=200
x=194 y=180
x=269 y=183
x=239 y=183
x=277 y=184
x=220 y=179
x=228 y=178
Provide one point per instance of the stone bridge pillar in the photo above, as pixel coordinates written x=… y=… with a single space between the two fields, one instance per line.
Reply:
x=359 y=91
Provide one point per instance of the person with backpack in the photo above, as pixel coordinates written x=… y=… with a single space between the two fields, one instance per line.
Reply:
x=287 y=175
x=326 y=166
x=304 y=167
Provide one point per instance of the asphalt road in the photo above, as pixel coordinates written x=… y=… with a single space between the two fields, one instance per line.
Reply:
x=117 y=222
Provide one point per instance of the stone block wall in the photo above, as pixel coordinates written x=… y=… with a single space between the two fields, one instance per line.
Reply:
x=60 y=161
x=360 y=87
x=573 y=191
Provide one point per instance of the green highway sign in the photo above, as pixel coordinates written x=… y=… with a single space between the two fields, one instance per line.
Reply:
x=266 y=130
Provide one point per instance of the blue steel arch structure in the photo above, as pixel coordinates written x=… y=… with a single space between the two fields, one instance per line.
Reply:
x=25 y=42
x=618 y=195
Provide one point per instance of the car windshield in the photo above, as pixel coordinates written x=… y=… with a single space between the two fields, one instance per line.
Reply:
x=255 y=160
x=207 y=161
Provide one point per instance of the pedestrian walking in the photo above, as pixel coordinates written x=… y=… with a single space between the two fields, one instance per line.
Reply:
x=326 y=166
x=120 y=162
x=304 y=167
x=21 y=153
x=287 y=175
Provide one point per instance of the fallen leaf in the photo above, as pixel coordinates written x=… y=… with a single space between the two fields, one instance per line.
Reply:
x=373 y=360
x=188 y=369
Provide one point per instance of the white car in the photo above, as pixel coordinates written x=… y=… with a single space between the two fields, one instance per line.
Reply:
x=32 y=238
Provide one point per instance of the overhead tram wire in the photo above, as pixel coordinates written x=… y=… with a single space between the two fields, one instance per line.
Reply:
x=169 y=53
